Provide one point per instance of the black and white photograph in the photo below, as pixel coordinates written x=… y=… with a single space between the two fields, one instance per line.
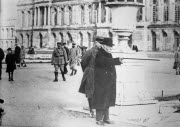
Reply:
x=90 y=63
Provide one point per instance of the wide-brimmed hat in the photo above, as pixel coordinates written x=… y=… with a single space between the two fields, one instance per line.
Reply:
x=108 y=42
x=99 y=39
x=9 y=49
x=60 y=42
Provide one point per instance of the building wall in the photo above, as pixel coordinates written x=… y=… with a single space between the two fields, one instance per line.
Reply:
x=79 y=21
x=7 y=33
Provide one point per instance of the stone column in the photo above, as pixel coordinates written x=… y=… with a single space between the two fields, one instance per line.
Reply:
x=45 y=15
x=100 y=11
x=58 y=17
x=38 y=16
x=49 y=17
x=35 y=16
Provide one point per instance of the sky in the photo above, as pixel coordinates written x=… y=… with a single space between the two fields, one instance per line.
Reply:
x=8 y=9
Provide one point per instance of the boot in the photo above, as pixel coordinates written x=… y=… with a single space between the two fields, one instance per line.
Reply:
x=72 y=73
x=0 y=74
x=75 y=71
x=56 y=77
x=9 y=76
x=64 y=79
x=12 y=76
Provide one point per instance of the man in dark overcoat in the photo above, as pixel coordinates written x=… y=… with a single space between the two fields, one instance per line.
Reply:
x=17 y=54
x=59 y=59
x=104 y=95
x=1 y=58
x=88 y=64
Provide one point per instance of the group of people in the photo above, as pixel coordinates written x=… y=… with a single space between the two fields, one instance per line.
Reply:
x=99 y=79
x=61 y=56
x=11 y=59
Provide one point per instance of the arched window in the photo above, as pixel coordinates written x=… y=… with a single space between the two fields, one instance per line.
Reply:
x=103 y=18
x=90 y=14
x=42 y=16
x=21 y=39
x=55 y=16
x=155 y=10
x=82 y=15
x=40 y=40
x=177 y=11
x=165 y=41
x=62 y=16
x=69 y=38
x=81 y=39
x=29 y=19
x=28 y=41
x=7 y=33
x=22 y=19
x=7 y=46
x=70 y=15
x=89 y=39
x=12 y=32
x=154 y=37
x=166 y=10
x=176 y=40
x=61 y=39
x=54 y=39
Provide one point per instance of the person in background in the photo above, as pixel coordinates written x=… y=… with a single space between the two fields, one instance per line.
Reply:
x=11 y=63
x=67 y=51
x=88 y=67
x=177 y=61
x=17 y=54
x=104 y=95
x=73 y=58
x=1 y=59
x=22 y=56
x=59 y=59
x=79 y=55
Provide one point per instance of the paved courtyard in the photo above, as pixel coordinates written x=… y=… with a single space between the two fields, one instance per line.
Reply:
x=34 y=100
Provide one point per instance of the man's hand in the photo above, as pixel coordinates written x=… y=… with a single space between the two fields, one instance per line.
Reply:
x=121 y=59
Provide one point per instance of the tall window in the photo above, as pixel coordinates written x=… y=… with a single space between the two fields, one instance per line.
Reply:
x=139 y=15
x=55 y=16
x=103 y=18
x=70 y=15
x=23 y=19
x=90 y=14
x=155 y=11
x=82 y=15
x=62 y=16
x=166 y=10
x=177 y=11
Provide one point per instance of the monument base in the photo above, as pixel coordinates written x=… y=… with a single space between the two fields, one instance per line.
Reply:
x=131 y=89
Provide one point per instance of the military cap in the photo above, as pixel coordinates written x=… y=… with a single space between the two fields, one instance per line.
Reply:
x=59 y=42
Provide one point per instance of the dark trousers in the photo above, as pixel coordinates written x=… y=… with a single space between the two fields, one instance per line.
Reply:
x=0 y=72
x=90 y=104
x=65 y=69
x=102 y=114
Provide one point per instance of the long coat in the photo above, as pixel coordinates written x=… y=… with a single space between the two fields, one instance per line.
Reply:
x=17 y=54
x=105 y=80
x=59 y=56
x=88 y=65
x=1 y=57
x=10 y=61
x=73 y=57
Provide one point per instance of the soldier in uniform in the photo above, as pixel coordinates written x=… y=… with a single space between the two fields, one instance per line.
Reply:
x=88 y=64
x=59 y=59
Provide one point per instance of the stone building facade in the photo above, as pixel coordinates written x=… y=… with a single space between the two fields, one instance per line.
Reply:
x=79 y=21
x=7 y=33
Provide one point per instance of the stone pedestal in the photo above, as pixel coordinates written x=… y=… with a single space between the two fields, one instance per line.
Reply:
x=130 y=76
x=131 y=89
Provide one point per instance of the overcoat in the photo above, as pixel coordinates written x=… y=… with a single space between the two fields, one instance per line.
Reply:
x=10 y=61
x=88 y=65
x=1 y=57
x=23 y=53
x=17 y=54
x=59 y=56
x=73 y=57
x=105 y=80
